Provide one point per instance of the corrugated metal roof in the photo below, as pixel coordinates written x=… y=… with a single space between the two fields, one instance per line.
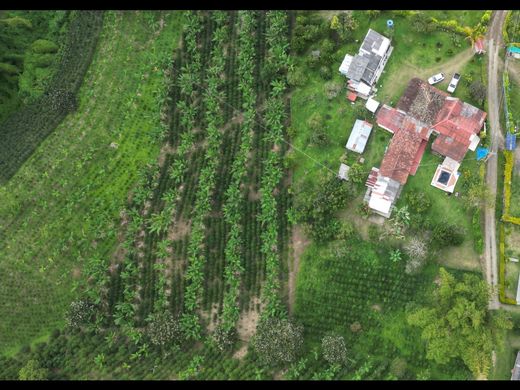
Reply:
x=357 y=67
x=359 y=136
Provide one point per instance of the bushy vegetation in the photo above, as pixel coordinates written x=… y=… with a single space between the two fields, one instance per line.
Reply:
x=459 y=324
x=24 y=130
x=30 y=43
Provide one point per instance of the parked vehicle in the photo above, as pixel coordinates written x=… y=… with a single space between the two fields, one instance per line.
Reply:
x=437 y=78
x=453 y=83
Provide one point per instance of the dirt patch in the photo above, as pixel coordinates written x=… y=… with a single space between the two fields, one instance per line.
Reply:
x=253 y=195
x=355 y=327
x=165 y=150
x=241 y=352
x=179 y=229
x=76 y=273
x=247 y=321
x=299 y=242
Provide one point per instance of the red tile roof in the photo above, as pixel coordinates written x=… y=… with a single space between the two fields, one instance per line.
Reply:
x=453 y=120
x=456 y=123
x=389 y=118
x=399 y=161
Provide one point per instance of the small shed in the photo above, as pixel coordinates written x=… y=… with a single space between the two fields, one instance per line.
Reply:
x=351 y=96
x=316 y=53
x=372 y=105
x=359 y=136
x=343 y=171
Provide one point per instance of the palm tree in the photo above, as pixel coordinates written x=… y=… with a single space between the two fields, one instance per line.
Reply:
x=395 y=256
x=158 y=223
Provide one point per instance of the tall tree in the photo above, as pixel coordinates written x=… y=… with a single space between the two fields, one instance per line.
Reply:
x=458 y=323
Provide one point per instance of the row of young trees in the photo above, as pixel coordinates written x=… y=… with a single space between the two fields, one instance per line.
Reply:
x=214 y=118
x=234 y=201
x=188 y=109
x=278 y=61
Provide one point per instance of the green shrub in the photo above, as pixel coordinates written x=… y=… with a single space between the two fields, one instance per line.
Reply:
x=43 y=60
x=418 y=201
x=446 y=234
x=43 y=46
x=9 y=69
x=325 y=72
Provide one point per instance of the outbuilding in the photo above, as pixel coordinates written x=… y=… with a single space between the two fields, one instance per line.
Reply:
x=372 y=105
x=343 y=171
x=359 y=136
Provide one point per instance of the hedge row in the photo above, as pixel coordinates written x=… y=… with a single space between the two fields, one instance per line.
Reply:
x=502 y=269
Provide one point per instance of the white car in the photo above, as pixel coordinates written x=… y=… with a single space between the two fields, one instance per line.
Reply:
x=453 y=83
x=436 y=78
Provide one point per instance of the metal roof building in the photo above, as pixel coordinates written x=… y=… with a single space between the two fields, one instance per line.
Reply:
x=363 y=69
x=359 y=136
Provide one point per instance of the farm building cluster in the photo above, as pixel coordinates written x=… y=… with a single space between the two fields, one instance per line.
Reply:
x=421 y=112
x=364 y=69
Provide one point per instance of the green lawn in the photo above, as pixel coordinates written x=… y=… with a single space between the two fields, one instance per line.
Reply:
x=63 y=205
x=334 y=291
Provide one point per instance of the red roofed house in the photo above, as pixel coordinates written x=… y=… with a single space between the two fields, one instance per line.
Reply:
x=421 y=111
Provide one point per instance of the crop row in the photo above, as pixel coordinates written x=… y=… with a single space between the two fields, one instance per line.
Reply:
x=277 y=41
x=213 y=120
x=233 y=206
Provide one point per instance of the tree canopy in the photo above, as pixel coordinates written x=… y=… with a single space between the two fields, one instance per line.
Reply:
x=458 y=323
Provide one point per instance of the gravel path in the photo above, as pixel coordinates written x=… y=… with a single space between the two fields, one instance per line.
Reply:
x=494 y=42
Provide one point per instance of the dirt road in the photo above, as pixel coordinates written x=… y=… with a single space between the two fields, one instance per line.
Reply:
x=494 y=43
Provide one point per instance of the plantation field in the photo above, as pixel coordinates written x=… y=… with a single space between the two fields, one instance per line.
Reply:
x=26 y=128
x=61 y=209
x=353 y=289
x=185 y=221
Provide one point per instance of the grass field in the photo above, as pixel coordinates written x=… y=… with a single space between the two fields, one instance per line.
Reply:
x=62 y=207
x=340 y=115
